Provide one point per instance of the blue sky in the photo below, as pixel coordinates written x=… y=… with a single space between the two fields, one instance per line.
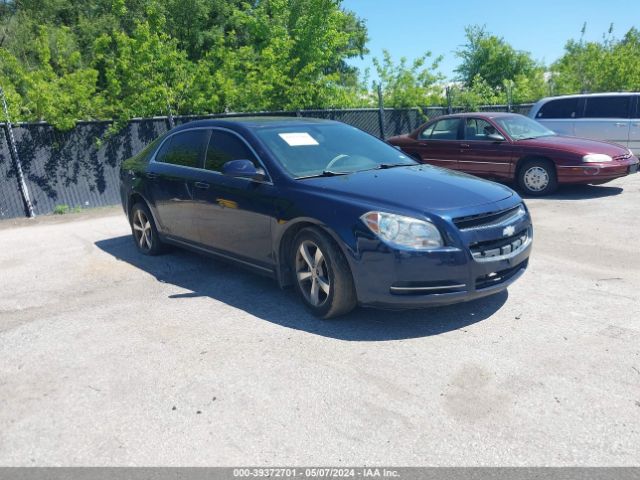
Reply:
x=411 y=27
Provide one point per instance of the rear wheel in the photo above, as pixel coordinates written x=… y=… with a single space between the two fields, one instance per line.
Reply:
x=537 y=177
x=322 y=276
x=145 y=233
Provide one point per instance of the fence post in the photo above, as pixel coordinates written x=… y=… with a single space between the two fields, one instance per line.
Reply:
x=24 y=190
x=380 y=111
x=447 y=91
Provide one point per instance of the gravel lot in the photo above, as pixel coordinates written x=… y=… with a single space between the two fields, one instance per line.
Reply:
x=110 y=358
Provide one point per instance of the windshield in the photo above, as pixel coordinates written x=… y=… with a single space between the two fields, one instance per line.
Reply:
x=520 y=128
x=309 y=150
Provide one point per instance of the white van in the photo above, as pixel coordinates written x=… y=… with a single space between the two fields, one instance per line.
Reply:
x=613 y=117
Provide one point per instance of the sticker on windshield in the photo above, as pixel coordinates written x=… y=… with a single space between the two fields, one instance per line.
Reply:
x=298 y=139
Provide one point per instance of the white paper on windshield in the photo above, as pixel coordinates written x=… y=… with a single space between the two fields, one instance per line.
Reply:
x=298 y=139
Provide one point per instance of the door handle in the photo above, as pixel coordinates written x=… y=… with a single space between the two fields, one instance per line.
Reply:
x=621 y=124
x=464 y=145
x=635 y=124
x=202 y=185
x=151 y=175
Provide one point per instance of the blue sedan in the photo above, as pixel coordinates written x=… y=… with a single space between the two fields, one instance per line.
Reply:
x=340 y=215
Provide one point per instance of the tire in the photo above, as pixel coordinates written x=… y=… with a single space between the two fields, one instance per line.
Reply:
x=335 y=293
x=537 y=177
x=144 y=231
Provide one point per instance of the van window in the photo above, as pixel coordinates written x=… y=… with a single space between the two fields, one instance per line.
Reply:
x=608 y=107
x=560 y=108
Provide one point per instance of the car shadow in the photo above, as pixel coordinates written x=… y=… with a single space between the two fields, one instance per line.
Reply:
x=579 y=192
x=202 y=276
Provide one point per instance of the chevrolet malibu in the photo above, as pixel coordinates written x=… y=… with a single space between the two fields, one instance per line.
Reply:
x=512 y=147
x=340 y=215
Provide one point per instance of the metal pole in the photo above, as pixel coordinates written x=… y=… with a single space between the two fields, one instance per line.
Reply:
x=448 y=95
x=172 y=123
x=380 y=111
x=14 y=151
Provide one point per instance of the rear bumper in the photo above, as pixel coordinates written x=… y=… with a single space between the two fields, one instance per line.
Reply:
x=597 y=173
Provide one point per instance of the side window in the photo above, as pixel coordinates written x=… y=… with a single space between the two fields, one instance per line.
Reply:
x=223 y=147
x=185 y=149
x=426 y=133
x=478 y=129
x=561 y=108
x=608 y=107
x=445 y=129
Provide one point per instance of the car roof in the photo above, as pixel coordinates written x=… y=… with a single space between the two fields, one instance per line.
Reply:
x=254 y=122
x=481 y=114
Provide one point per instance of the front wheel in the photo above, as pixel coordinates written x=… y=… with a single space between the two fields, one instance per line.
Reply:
x=322 y=276
x=537 y=178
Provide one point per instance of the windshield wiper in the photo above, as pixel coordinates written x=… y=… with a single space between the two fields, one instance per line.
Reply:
x=383 y=166
x=325 y=173
x=537 y=136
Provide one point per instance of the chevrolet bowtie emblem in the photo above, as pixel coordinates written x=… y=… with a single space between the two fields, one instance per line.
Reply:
x=508 y=231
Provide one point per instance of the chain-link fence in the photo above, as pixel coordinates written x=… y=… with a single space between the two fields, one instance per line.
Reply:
x=80 y=168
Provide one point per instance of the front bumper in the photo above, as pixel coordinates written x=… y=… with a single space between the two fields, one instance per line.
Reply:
x=478 y=266
x=595 y=173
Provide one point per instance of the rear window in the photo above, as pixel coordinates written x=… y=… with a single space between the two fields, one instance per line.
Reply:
x=561 y=108
x=608 y=107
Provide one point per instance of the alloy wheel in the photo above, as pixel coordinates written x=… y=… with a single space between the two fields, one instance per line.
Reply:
x=142 y=230
x=312 y=273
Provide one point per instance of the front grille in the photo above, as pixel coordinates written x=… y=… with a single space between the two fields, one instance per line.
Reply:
x=500 y=276
x=503 y=248
x=488 y=220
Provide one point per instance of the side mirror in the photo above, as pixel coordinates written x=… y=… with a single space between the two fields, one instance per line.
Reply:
x=496 y=137
x=243 y=169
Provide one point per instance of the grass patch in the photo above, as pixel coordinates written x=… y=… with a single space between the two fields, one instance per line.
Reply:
x=64 y=209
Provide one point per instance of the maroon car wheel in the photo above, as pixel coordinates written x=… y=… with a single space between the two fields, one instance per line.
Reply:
x=537 y=177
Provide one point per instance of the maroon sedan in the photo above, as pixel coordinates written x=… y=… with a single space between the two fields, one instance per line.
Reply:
x=511 y=147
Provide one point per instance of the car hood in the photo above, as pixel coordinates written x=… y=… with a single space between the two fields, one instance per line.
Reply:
x=421 y=187
x=581 y=146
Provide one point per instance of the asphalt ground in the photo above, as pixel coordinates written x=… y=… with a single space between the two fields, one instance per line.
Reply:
x=111 y=358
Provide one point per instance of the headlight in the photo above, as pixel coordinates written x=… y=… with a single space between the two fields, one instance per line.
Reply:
x=596 y=158
x=401 y=231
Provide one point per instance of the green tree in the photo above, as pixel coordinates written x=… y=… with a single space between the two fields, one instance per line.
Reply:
x=409 y=85
x=54 y=84
x=609 y=65
x=491 y=68
x=141 y=75
x=130 y=58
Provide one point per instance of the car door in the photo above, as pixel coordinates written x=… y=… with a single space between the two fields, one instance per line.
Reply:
x=234 y=215
x=560 y=115
x=481 y=155
x=606 y=117
x=439 y=144
x=634 y=129
x=171 y=176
